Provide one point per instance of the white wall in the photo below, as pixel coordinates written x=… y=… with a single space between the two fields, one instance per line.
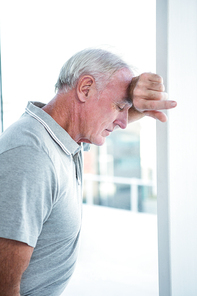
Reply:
x=177 y=146
x=38 y=36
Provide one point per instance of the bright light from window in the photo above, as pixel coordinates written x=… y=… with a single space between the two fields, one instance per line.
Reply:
x=38 y=36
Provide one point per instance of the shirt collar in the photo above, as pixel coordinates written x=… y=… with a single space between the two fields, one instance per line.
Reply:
x=59 y=135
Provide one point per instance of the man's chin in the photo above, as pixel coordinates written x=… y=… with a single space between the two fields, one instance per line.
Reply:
x=98 y=142
x=84 y=141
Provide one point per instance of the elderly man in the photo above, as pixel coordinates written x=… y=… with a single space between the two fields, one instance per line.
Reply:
x=41 y=166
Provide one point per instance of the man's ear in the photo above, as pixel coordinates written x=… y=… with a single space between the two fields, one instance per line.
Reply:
x=84 y=87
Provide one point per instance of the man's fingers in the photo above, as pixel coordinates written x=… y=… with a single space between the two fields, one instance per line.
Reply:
x=146 y=105
x=151 y=77
x=144 y=83
x=149 y=95
x=156 y=86
x=157 y=115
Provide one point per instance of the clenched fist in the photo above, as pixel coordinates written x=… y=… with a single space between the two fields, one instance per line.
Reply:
x=148 y=97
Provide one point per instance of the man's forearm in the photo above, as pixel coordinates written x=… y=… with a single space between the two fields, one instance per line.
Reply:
x=14 y=259
x=6 y=290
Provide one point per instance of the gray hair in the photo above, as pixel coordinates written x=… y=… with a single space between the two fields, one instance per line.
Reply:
x=98 y=63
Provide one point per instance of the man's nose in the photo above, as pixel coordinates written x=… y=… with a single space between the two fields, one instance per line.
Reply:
x=122 y=119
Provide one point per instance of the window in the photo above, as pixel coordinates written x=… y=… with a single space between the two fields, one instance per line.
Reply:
x=122 y=173
x=119 y=247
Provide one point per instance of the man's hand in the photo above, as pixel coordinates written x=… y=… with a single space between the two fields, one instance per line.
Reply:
x=148 y=97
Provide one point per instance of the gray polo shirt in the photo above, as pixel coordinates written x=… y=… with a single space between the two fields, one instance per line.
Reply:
x=41 y=198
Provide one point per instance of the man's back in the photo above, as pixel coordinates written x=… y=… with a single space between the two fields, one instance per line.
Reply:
x=41 y=199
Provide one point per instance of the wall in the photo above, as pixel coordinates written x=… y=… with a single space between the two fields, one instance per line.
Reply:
x=177 y=146
x=39 y=36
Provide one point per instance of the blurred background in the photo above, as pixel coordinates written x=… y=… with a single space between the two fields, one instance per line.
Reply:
x=119 y=244
x=120 y=195
x=37 y=37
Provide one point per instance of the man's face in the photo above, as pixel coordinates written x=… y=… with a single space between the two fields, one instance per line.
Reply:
x=109 y=109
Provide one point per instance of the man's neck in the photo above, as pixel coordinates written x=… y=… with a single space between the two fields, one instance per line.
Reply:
x=64 y=108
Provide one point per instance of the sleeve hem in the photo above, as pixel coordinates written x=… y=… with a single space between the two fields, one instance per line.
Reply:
x=21 y=237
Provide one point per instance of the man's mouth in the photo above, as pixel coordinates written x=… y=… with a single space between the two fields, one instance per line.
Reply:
x=108 y=132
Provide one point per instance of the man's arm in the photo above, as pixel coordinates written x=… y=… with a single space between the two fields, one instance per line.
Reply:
x=148 y=97
x=14 y=259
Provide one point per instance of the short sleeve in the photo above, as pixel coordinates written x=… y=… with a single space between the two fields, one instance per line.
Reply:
x=28 y=188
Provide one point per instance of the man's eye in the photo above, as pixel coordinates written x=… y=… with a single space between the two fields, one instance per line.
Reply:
x=121 y=108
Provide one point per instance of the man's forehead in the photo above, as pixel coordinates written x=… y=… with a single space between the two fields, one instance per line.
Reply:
x=123 y=75
x=119 y=86
x=126 y=101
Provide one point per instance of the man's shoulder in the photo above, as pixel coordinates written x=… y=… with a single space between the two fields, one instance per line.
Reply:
x=24 y=132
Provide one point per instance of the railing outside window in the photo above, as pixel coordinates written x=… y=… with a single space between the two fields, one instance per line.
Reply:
x=133 y=183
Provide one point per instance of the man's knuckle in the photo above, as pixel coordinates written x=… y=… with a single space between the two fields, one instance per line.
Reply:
x=158 y=78
x=161 y=87
x=159 y=96
x=138 y=104
x=154 y=85
x=144 y=76
x=158 y=86
x=137 y=92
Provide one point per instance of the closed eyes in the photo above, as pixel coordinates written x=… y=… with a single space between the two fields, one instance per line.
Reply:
x=121 y=108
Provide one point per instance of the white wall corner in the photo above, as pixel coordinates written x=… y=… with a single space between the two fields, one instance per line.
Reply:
x=176 y=148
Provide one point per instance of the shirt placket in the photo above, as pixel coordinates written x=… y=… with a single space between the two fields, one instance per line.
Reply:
x=77 y=168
